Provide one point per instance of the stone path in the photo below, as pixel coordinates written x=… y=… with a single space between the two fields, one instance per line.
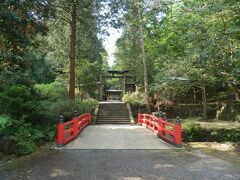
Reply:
x=117 y=137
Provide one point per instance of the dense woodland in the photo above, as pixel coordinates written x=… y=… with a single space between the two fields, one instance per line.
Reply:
x=184 y=55
x=192 y=54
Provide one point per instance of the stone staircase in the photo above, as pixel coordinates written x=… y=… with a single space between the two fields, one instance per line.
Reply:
x=113 y=113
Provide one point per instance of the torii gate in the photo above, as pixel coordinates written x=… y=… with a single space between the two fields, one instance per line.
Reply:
x=116 y=74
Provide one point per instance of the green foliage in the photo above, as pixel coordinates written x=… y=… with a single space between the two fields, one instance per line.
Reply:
x=90 y=104
x=5 y=124
x=13 y=100
x=34 y=63
x=231 y=111
x=67 y=107
x=135 y=99
x=189 y=45
x=21 y=22
x=87 y=76
x=53 y=91
x=197 y=43
x=28 y=136
x=20 y=101
x=49 y=133
x=192 y=132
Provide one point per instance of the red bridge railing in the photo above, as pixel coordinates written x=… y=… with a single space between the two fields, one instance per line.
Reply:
x=68 y=131
x=167 y=131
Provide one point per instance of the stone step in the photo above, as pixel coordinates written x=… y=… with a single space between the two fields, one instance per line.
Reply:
x=113 y=107
x=107 y=110
x=113 y=113
x=114 y=118
x=119 y=122
x=107 y=120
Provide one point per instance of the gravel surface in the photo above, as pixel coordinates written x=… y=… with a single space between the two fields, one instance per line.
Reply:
x=123 y=164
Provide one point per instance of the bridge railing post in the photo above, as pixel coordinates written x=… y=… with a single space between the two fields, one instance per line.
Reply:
x=139 y=119
x=60 y=132
x=178 y=133
x=75 y=124
x=160 y=125
x=89 y=118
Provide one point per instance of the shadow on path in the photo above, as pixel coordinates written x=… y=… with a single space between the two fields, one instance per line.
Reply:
x=122 y=164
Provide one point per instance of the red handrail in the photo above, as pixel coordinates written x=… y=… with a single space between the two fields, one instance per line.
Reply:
x=68 y=131
x=169 y=132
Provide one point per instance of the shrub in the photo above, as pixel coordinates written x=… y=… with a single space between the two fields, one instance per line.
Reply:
x=25 y=141
x=230 y=112
x=90 y=105
x=28 y=137
x=193 y=132
x=135 y=99
x=67 y=107
x=49 y=132
x=5 y=124
x=13 y=100
x=51 y=91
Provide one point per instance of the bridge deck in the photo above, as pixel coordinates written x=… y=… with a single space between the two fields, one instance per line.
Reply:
x=117 y=137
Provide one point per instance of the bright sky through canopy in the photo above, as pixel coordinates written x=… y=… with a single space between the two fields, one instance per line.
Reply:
x=110 y=44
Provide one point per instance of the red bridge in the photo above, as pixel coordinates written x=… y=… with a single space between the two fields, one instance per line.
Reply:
x=68 y=131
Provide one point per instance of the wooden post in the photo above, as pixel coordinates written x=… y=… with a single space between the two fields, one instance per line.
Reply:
x=60 y=132
x=178 y=133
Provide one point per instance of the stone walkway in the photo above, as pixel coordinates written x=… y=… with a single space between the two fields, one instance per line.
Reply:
x=117 y=137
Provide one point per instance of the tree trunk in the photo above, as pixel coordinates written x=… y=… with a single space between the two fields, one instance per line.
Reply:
x=237 y=97
x=194 y=96
x=72 y=53
x=204 y=101
x=158 y=101
x=146 y=88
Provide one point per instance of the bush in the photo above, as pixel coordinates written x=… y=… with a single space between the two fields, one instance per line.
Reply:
x=13 y=100
x=230 y=112
x=19 y=101
x=137 y=102
x=90 y=105
x=193 y=130
x=5 y=124
x=49 y=132
x=53 y=91
x=135 y=99
x=194 y=133
x=25 y=140
x=67 y=107
x=28 y=137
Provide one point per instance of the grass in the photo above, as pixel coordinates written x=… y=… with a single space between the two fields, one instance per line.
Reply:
x=211 y=124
